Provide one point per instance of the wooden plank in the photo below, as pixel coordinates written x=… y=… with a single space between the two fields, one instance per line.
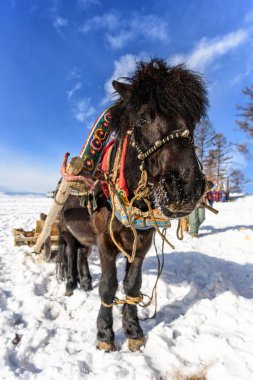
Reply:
x=33 y=239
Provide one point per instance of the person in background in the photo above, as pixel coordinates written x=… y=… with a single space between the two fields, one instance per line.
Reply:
x=227 y=195
x=197 y=216
x=223 y=196
x=216 y=194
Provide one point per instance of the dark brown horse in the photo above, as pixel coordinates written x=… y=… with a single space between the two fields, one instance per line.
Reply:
x=160 y=105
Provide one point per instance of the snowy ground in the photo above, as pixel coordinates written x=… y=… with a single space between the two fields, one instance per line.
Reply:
x=205 y=308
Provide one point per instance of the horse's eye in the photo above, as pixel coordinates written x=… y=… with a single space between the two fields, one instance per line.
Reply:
x=143 y=120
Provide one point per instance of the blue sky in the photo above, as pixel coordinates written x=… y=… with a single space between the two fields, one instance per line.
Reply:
x=58 y=58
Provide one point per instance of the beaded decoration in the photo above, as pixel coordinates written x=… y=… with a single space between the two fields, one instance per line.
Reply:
x=96 y=142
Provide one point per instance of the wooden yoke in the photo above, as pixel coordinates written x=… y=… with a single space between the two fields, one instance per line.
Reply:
x=87 y=162
x=70 y=177
x=58 y=202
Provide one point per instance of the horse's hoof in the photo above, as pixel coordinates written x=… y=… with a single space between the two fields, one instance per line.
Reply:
x=106 y=346
x=136 y=344
x=86 y=286
x=69 y=292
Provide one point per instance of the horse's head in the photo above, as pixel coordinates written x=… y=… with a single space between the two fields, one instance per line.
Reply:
x=161 y=105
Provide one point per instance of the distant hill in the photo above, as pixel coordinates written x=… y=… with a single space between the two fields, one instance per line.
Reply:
x=23 y=193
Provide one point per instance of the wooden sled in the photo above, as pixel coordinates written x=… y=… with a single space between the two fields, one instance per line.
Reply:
x=22 y=237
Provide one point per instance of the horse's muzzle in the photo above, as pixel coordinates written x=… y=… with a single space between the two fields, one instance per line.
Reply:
x=175 y=198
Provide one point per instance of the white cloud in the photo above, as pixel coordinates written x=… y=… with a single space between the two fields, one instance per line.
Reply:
x=74 y=74
x=81 y=107
x=122 y=68
x=206 y=51
x=59 y=23
x=120 y=31
x=117 y=41
x=110 y=21
x=71 y=92
x=241 y=76
x=148 y=27
x=83 y=110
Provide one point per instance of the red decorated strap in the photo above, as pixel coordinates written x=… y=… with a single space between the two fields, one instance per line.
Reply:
x=106 y=156
x=122 y=180
x=105 y=166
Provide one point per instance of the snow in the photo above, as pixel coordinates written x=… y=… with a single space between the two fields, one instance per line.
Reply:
x=204 y=320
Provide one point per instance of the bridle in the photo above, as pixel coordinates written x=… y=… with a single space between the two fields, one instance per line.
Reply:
x=158 y=144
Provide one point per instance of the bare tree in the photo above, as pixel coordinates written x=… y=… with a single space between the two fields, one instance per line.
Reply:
x=237 y=181
x=246 y=122
x=203 y=137
x=244 y=149
x=220 y=158
x=210 y=166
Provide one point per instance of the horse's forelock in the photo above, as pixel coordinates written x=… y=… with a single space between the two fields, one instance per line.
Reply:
x=173 y=90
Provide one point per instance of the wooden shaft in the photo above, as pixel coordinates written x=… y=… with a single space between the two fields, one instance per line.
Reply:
x=58 y=202
x=203 y=204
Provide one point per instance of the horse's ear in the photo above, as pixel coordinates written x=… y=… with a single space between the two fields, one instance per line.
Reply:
x=124 y=89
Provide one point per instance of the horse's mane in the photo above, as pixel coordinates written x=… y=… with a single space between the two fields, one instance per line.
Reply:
x=172 y=90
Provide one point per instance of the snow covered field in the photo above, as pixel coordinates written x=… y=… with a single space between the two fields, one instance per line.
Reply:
x=205 y=309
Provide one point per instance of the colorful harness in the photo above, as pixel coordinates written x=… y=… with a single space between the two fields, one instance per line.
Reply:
x=96 y=143
x=96 y=154
x=123 y=210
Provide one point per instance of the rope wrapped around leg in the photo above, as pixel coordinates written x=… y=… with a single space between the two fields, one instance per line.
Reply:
x=128 y=300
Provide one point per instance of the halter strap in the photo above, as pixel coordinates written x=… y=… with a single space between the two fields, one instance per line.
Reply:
x=159 y=143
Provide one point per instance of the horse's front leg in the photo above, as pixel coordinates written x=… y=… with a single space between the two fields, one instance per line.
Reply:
x=132 y=286
x=107 y=290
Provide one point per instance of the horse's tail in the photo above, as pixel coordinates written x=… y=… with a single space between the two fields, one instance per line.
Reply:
x=61 y=261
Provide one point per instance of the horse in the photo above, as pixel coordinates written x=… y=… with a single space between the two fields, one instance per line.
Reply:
x=153 y=119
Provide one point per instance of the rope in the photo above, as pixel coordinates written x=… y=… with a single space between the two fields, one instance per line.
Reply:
x=131 y=257
x=160 y=266
x=139 y=300
x=155 y=224
x=128 y=300
x=141 y=193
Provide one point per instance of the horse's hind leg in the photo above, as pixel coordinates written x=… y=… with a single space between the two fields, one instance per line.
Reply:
x=132 y=286
x=107 y=289
x=83 y=268
x=71 y=253
x=61 y=261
